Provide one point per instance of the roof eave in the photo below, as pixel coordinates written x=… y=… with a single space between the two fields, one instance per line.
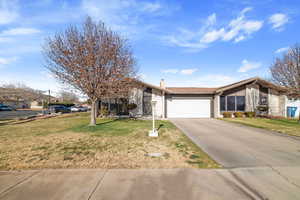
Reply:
x=255 y=79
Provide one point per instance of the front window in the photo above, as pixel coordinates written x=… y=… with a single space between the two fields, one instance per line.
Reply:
x=223 y=103
x=232 y=103
x=240 y=103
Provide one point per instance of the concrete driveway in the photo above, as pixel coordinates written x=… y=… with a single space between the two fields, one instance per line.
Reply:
x=234 y=145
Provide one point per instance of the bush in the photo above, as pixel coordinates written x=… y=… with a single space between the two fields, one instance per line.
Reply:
x=262 y=108
x=104 y=111
x=238 y=114
x=250 y=114
x=227 y=114
x=131 y=106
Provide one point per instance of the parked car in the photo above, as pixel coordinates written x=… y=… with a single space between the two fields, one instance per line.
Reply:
x=83 y=109
x=5 y=108
x=59 y=109
x=79 y=109
x=75 y=109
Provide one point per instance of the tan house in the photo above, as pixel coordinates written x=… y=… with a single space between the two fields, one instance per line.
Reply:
x=200 y=102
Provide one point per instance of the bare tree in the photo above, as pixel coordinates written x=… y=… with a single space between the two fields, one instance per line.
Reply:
x=67 y=96
x=17 y=92
x=286 y=71
x=92 y=59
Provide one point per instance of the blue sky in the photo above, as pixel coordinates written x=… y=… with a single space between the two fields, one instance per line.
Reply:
x=188 y=43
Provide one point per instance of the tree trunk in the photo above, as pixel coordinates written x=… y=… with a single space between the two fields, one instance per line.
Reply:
x=93 y=115
x=96 y=108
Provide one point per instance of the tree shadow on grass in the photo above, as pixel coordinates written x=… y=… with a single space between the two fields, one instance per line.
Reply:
x=108 y=122
x=160 y=126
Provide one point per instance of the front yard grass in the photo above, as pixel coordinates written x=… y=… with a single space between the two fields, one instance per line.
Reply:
x=286 y=126
x=67 y=142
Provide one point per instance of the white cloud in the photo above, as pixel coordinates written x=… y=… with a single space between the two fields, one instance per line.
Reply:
x=20 y=31
x=151 y=7
x=236 y=30
x=245 y=10
x=248 y=65
x=240 y=38
x=7 y=61
x=281 y=50
x=8 y=11
x=183 y=42
x=5 y=39
x=215 y=80
x=127 y=16
x=208 y=80
x=212 y=19
x=278 y=20
x=212 y=36
x=170 y=71
x=188 y=71
x=239 y=28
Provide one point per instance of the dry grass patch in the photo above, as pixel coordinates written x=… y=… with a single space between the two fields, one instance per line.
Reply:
x=285 y=126
x=67 y=142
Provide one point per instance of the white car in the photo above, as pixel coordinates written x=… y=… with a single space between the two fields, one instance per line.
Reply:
x=79 y=109
x=83 y=109
x=75 y=109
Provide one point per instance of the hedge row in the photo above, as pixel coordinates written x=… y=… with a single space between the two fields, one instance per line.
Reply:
x=238 y=114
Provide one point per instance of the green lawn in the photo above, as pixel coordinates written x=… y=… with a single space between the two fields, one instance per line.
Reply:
x=68 y=142
x=286 y=126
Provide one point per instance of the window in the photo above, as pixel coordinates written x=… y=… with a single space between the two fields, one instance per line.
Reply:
x=240 y=103
x=232 y=103
x=223 y=103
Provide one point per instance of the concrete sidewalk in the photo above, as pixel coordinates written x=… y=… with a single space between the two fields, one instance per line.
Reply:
x=81 y=184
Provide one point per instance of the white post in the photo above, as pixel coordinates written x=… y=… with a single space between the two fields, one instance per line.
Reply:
x=153 y=132
x=153 y=120
x=163 y=105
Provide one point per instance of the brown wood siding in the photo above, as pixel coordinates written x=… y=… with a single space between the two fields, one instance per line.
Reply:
x=239 y=91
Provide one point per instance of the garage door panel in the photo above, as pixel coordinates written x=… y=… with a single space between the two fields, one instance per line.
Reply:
x=188 y=108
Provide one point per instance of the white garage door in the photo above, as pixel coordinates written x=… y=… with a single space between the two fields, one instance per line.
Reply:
x=188 y=108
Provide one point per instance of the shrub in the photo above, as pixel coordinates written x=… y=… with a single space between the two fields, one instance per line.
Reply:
x=262 y=108
x=131 y=106
x=227 y=114
x=250 y=114
x=238 y=114
x=103 y=111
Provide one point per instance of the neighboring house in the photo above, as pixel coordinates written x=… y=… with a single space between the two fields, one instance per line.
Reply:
x=36 y=105
x=42 y=101
x=197 y=102
x=17 y=104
